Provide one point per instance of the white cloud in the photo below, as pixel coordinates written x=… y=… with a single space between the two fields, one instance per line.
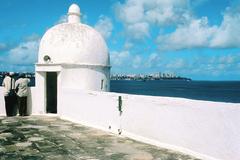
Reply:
x=21 y=57
x=228 y=59
x=128 y=45
x=160 y=12
x=104 y=26
x=153 y=60
x=160 y=16
x=138 y=15
x=137 y=60
x=195 y=34
x=138 y=31
x=198 y=33
x=168 y=12
x=125 y=60
x=62 y=19
x=228 y=33
x=25 y=53
x=177 y=64
x=119 y=58
x=131 y=12
x=214 y=64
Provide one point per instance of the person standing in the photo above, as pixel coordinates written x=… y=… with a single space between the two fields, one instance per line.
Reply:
x=22 y=93
x=9 y=94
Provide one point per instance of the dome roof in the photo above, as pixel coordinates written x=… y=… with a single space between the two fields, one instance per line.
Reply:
x=73 y=43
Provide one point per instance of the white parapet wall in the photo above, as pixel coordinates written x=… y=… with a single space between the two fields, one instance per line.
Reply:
x=207 y=130
x=2 y=102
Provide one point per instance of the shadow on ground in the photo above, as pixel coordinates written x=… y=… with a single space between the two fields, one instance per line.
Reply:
x=44 y=137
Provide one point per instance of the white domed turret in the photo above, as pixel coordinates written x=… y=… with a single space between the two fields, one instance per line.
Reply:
x=79 y=46
x=73 y=42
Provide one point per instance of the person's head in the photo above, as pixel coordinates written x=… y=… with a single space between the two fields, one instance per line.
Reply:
x=6 y=74
x=11 y=74
x=22 y=75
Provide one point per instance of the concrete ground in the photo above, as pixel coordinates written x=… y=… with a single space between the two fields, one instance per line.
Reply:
x=45 y=137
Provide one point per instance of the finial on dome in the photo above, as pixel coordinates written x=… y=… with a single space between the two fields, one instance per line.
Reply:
x=74 y=14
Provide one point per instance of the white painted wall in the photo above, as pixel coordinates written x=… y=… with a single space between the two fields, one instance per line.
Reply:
x=39 y=102
x=2 y=102
x=89 y=109
x=208 y=130
x=85 y=77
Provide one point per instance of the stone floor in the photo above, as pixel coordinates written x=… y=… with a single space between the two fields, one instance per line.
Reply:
x=45 y=137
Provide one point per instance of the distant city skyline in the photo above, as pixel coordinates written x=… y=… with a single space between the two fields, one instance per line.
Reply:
x=199 y=39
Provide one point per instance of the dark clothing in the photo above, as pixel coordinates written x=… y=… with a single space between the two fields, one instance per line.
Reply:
x=22 y=104
x=10 y=105
x=10 y=97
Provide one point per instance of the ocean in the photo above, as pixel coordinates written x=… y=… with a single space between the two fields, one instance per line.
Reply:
x=219 y=91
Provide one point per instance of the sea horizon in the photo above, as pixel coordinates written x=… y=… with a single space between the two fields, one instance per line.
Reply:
x=207 y=90
x=217 y=91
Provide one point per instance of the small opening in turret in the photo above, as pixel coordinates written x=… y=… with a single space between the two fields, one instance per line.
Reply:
x=102 y=84
x=46 y=59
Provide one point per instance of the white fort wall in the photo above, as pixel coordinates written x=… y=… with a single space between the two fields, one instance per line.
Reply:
x=208 y=130
x=2 y=102
x=74 y=77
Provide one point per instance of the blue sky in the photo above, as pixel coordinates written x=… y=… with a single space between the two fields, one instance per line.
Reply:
x=199 y=39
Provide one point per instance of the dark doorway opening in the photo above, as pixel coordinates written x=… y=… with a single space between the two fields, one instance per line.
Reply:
x=51 y=92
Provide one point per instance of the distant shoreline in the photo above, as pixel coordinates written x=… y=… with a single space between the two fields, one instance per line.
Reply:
x=152 y=79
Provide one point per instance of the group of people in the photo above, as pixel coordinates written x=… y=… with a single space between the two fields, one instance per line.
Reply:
x=15 y=94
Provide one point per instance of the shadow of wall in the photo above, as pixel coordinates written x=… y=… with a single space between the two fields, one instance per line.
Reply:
x=29 y=102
